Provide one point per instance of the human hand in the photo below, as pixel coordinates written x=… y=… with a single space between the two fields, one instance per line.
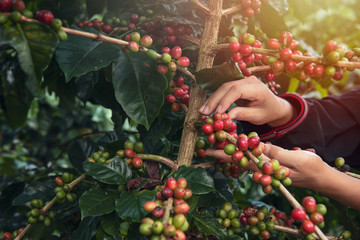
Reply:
x=257 y=104
x=307 y=169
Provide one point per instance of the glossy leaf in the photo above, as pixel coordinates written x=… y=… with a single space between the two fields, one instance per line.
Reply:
x=42 y=189
x=35 y=44
x=212 y=78
x=130 y=204
x=79 y=151
x=80 y=55
x=96 y=202
x=86 y=229
x=207 y=224
x=115 y=172
x=110 y=223
x=199 y=181
x=138 y=87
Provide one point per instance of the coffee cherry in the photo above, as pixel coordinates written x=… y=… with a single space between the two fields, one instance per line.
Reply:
x=345 y=235
x=316 y=218
x=139 y=147
x=308 y=226
x=175 y=107
x=183 y=62
x=309 y=205
x=3 y=19
x=146 y=229
x=176 y=52
x=298 y=214
x=166 y=58
x=146 y=41
x=167 y=193
x=162 y=68
x=133 y=46
x=158 y=212
x=15 y=16
x=207 y=128
x=172 y=66
x=286 y=38
x=5 y=5
x=45 y=16
x=319 y=71
x=245 y=50
x=179 y=235
x=242 y=143
x=137 y=162
x=221 y=137
x=171 y=183
x=59 y=181
x=330 y=46
x=182 y=208
x=182 y=182
x=274 y=44
x=339 y=74
x=56 y=24
x=265 y=180
x=257 y=176
x=267 y=168
x=286 y=181
x=330 y=71
x=7 y=235
x=234 y=46
x=253 y=142
x=285 y=54
x=290 y=66
x=188 y=194
x=339 y=162
x=280 y=174
x=333 y=56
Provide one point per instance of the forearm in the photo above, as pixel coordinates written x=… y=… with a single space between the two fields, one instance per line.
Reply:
x=340 y=187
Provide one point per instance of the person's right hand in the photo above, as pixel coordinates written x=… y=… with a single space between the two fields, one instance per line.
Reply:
x=256 y=103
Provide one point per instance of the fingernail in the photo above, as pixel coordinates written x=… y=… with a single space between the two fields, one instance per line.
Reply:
x=218 y=109
x=202 y=108
x=206 y=109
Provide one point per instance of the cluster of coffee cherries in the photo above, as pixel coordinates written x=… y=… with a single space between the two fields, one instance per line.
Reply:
x=36 y=215
x=229 y=218
x=242 y=50
x=14 y=234
x=250 y=8
x=128 y=153
x=180 y=94
x=99 y=157
x=341 y=165
x=316 y=215
x=259 y=221
x=62 y=190
x=177 y=224
x=271 y=174
x=97 y=24
x=17 y=8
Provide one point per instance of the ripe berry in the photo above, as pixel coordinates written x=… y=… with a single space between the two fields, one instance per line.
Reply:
x=167 y=193
x=285 y=54
x=298 y=214
x=236 y=57
x=18 y=5
x=133 y=46
x=339 y=74
x=316 y=218
x=207 y=128
x=137 y=162
x=182 y=208
x=308 y=226
x=218 y=125
x=129 y=153
x=179 y=235
x=176 y=52
x=5 y=5
x=179 y=192
x=319 y=71
x=188 y=194
x=290 y=66
x=134 y=18
x=170 y=98
x=245 y=50
x=286 y=38
x=7 y=235
x=146 y=41
x=162 y=68
x=309 y=205
x=267 y=168
x=149 y=206
x=242 y=143
x=45 y=16
x=234 y=46
x=183 y=62
x=59 y=181
x=274 y=43
x=253 y=142
x=330 y=46
x=257 y=175
x=182 y=182
x=265 y=180
x=158 y=212
x=171 y=183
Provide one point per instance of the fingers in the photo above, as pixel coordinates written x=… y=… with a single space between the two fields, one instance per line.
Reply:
x=253 y=115
x=285 y=157
x=219 y=154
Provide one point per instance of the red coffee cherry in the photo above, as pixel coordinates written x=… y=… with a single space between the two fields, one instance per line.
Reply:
x=171 y=183
x=298 y=214
x=207 y=128
x=234 y=46
x=18 y=5
x=286 y=38
x=182 y=208
x=316 y=218
x=158 y=212
x=274 y=44
x=183 y=62
x=308 y=226
x=176 y=52
x=245 y=50
x=267 y=168
x=285 y=54
x=182 y=182
x=5 y=5
x=137 y=162
x=149 y=206
x=45 y=16
x=170 y=98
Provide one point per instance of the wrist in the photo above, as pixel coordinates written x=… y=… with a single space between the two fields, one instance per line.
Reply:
x=286 y=113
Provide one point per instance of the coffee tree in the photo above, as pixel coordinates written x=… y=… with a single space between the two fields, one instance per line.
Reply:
x=101 y=132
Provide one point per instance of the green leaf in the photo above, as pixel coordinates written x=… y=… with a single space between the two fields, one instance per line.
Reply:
x=199 y=181
x=130 y=204
x=35 y=44
x=212 y=78
x=42 y=190
x=96 y=202
x=139 y=87
x=86 y=229
x=110 y=223
x=79 y=55
x=207 y=224
x=79 y=151
x=115 y=172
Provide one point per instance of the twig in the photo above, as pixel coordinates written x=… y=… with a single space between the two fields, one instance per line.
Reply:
x=297 y=232
x=231 y=10
x=201 y=6
x=353 y=175
x=205 y=165
x=168 y=208
x=261 y=68
x=160 y=159
x=293 y=202
x=47 y=207
x=187 y=72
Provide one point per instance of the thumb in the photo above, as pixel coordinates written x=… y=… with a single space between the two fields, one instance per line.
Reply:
x=284 y=156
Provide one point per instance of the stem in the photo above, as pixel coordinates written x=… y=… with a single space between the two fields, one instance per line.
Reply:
x=293 y=202
x=261 y=68
x=353 y=175
x=204 y=8
x=231 y=10
x=186 y=72
x=168 y=208
x=160 y=159
x=197 y=95
x=190 y=39
x=205 y=165
x=297 y=232
x=47 y=207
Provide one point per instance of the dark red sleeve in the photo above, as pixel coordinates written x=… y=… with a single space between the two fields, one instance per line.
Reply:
x=330 y=125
